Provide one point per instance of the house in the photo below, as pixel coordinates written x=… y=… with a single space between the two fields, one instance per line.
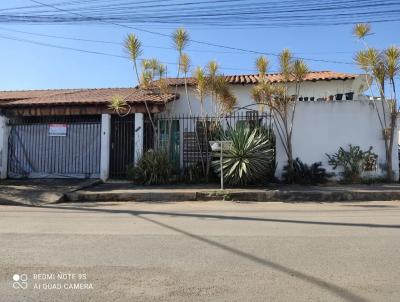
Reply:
x=73 y=133
x=332 y=112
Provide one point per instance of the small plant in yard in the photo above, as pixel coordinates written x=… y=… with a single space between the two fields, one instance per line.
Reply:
x=304 y=174
x=353 y=161
x=153 y=168
x=250 y=157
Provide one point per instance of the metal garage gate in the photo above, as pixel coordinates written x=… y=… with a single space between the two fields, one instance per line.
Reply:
x=41 y=147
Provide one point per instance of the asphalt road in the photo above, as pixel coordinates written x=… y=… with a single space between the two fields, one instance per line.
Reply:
x=204 y=251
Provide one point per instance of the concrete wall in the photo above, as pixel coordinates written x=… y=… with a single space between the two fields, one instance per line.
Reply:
x=319 y=89
x=4 y=132
x=320 y=127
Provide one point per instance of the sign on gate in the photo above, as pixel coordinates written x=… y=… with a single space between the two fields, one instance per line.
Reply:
x=57 y=130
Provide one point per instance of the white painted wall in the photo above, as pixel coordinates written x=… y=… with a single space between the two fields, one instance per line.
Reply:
x=139 y=128
x=105 y=146
x=320 y=127
x=4 y=133
x=319 y=89
x=323 y=127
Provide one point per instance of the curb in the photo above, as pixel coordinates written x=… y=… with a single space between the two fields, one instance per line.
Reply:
x=256 y=196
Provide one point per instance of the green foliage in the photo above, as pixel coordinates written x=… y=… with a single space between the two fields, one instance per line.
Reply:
x=304 y=174
x=250 y=158
x=353 y=162
x=153 y=168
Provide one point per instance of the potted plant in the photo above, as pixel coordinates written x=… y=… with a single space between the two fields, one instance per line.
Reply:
x=349 y=96
x=339 y=96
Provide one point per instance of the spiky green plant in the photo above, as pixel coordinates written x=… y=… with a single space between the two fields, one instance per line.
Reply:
x=153 y=168
x=361 y=30
x=262 y=65
x=180 y=39
x=225 y=98
x=249 y=158
x=201 y=86
x=119 y=104
x=133 y=46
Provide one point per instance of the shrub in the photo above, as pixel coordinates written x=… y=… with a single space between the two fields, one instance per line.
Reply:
x=353 y=162
x=153 y=168
x=304 y=174
x=250 y=158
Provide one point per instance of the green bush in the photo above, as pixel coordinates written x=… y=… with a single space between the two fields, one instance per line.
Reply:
x=250 y=158
x=153 y=168
x=304 y=174
x=353 y=162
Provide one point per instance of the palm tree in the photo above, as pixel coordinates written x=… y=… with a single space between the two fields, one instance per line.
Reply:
x=201 y=86
x=133 y=47
x=212 y=73
x=381 y=66
x=184 y=65
x=180 y=39
x=277 y=98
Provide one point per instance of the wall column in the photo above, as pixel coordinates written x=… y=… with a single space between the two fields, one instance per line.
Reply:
x=139 y=134
x=4 y=133
x=105 y=146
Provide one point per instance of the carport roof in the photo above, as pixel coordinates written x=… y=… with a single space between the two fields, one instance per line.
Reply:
x=101 y=96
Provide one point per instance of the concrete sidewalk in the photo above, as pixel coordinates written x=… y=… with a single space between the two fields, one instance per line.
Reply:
x=39 y=191
x=131 y=192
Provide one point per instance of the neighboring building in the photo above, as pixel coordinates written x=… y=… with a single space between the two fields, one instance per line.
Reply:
x=72 y=133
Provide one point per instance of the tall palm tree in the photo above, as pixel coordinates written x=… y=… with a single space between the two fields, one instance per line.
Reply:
x=212 y=73
x=133 y=47
x=277 y=98
x=381 y=66
x=201 y=86
x=184 y=65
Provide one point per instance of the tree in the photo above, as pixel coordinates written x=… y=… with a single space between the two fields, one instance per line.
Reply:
x=382 y=66
x=277 y=97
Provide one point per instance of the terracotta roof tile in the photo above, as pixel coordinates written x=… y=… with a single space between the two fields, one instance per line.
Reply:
x=273 y=77
x=76 y=96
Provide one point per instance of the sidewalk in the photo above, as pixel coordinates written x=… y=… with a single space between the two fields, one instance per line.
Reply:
x=39 y=191
x=292 y=193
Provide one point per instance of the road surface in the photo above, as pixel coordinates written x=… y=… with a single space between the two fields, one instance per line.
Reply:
x=201 y=251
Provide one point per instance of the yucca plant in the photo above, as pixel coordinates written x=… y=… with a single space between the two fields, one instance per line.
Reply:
x=250 y=157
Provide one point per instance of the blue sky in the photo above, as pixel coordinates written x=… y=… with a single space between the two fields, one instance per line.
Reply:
x=28 y=66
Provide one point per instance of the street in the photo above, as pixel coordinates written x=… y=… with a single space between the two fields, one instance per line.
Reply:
x=201 y=251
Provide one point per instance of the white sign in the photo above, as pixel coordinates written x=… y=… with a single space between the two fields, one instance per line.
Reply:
x=57 y=130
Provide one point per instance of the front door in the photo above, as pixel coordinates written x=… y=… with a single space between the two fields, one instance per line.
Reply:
x=170 y=139
x=122 y=145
